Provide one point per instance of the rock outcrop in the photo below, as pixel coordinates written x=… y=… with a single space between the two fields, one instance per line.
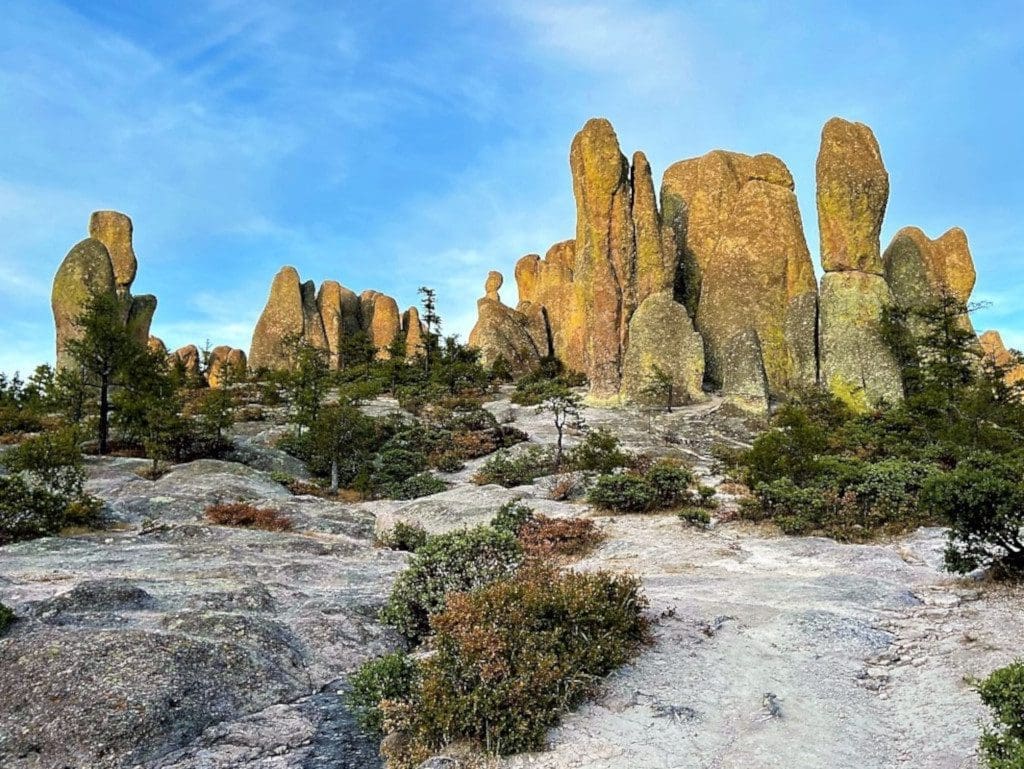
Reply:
x=995 y=351
x=697 y=199
x=662 y=343
x=283 y=319
x=502 y=332
x=114 y=230
x=323 y=318
x=759 y=276
x=103 y=264
x=227 y=364
x=156 y=345
x=920 y=270
x=853 y=190
x=412 y=329
x=188 y=359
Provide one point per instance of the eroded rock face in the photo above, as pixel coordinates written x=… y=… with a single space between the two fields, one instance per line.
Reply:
x=502 y=332
x=920 y=270
x=661 y=338
x=412 y=328
x=282 y=318
x=339 y=311
x=853 y=190
x=853 y=355
x=140 y=316
x=655 y=265
x=547 y=298
x=760 y=277
x=85 y=274
x=114 y=230
x=226 y=364
x=381 y=320
x=156 y=345
x=995 y=351
x=604 y=273
x=697 y=199
x=189 y=359
x=312 y=324
x=744 y=380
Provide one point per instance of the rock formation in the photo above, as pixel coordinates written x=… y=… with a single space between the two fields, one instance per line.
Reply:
x=340 y=314
x=102 y=264
x=920 y=271
x=853 y=189
x=226 y=364
x=114 y=230
x=547 y=298
x=759 y=276
x=697 y=199
x=282 y=319
x=662 y=341
x=188 y=359
x=604 y=274
x=502 y=332
x=323 y=318
x=412 y=329
x=995 y=351
x=381 y=320
x=156 y=345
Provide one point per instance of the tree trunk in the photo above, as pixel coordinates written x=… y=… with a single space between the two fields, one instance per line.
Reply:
x=335 y=482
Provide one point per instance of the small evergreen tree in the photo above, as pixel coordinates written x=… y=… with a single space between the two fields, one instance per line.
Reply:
x=306 y=382
x=344 y=437
x=565 y=408
x=432 y=321
x=660 y=387
x=105 y=351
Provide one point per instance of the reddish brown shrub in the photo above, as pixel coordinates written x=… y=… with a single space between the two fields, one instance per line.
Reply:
x=543 y=537
x=247 y=516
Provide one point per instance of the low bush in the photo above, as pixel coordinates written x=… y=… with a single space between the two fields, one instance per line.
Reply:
x=409 y=537
x=448 y=563
x=388 y=678
x=419 y=485
x=27 y=512
x=511 y=517
x=247 y=516
x=448 y=462
x=546 y=538
x=1002 y=744
x=698 y=516
x=6 y=618
x=664 y=485
x=983 y=502
x=625 y=493
x=394 y=465
x=510 y=658
x=598 y=452
x=509 y=471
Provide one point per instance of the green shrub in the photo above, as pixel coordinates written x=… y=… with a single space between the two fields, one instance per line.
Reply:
x=598 y=452
x=625 y=492
x=510 y=471
x=449 y=462
x=511 y=516
x=419 y=485
x=395 y=465
x=698 y=516
x=983 y=502
x=391 y=677
x=670 y=483
x=510 y=658
x=1002 y=744
x=6 y=618
x=448 y=563
x=409 y=537
x=705 y=497
x=27 y=512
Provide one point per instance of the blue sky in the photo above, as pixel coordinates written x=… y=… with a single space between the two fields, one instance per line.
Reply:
x=393 y=144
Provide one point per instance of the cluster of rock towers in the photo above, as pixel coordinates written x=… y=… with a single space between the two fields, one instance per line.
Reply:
x=326 y=318
x=716 y=288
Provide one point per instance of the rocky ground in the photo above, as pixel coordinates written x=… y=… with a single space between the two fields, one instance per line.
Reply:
x=171 y=643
